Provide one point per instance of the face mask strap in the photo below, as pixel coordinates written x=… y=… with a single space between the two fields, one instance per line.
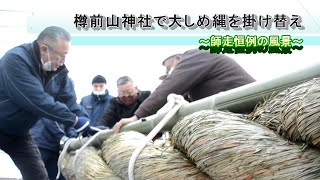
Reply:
x=47 y=66
x=49 y=58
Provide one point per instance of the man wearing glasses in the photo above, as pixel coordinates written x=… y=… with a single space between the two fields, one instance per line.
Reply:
x=26 y=95
x=128 y=101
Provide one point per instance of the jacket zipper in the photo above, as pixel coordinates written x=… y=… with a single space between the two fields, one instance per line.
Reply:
x=54 y=78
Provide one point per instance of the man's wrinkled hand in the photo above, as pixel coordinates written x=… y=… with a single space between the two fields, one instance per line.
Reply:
x=123 y=121
x=116 y=127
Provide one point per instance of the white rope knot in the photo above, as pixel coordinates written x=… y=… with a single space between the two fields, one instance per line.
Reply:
x=170 y=108
x=172 y=100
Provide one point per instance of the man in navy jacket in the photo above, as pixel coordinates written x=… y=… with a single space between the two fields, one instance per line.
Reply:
x=98 y=101
x=25 y=71
x=47 y=133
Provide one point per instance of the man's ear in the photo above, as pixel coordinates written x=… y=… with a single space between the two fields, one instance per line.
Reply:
x=43 y=48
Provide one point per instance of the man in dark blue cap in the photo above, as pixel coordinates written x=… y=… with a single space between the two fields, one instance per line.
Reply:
x=97 y=102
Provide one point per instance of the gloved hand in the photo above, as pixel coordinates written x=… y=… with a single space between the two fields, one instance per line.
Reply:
x=90 y=132
x=71 y=132
x=82 y=125
x=63 y=140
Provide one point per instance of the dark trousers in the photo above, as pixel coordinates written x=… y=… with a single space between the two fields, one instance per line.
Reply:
x=50 y=159
x=25 y=155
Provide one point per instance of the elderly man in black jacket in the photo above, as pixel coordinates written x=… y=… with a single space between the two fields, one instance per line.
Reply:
x=128 y=101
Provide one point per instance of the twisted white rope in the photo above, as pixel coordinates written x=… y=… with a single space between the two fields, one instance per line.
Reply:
x=173 y=105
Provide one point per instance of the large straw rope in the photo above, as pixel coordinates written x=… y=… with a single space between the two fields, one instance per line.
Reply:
x=153 y=162
x=67 y=168
x=90 y=166
x=226 y=146
x=293 y=113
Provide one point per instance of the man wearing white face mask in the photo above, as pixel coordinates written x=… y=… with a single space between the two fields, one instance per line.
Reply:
x=28 y=94
x=97 y=102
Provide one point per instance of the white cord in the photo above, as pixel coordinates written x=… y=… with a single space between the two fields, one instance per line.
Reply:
x=171 y=100
x=173 y=105
x=67 y=144
x=88 y=143
x=63 y=153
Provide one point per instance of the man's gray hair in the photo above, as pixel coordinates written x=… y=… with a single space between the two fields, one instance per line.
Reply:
x=51 y=34
x=123 y=80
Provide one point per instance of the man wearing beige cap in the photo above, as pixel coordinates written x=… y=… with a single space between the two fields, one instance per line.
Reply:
x=170 y=63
